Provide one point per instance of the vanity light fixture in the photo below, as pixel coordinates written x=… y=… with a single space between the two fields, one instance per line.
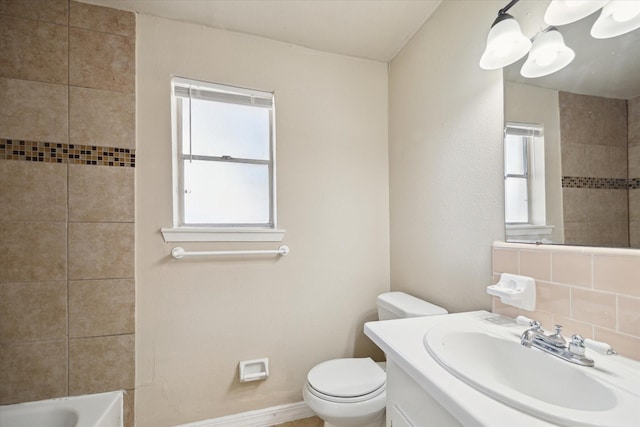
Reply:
x=617 y=17
x=548 y=54
x=561 y=12
x=505 y=43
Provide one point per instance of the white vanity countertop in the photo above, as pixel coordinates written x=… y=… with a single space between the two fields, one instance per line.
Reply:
x=402 y=341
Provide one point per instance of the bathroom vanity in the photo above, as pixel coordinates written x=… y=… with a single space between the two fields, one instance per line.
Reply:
x=469 y=369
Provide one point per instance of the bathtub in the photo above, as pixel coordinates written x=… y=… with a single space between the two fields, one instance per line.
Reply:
x=92 y=410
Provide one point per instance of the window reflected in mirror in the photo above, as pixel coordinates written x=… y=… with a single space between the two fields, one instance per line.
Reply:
x=524 y=183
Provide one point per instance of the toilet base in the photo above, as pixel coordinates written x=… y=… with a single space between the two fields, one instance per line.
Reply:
x=368 y=413
x=378 y=422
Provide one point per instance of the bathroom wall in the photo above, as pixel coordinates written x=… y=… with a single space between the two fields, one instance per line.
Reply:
x=594 y=168
x=633 y=109
x=530 y=104
x=67 y=151
x=197 y=318
x=445 y=149
x=590 y=291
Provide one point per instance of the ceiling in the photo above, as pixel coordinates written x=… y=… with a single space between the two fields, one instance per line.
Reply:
x=379 y=29
x=371 y=29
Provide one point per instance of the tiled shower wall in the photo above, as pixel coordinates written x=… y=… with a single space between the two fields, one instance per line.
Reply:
x=633 y=106
x=67 y=152
x=596 y=169
x=591 y=291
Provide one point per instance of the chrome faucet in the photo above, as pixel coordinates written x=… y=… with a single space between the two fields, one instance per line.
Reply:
x=526 y=339
x=555 y=344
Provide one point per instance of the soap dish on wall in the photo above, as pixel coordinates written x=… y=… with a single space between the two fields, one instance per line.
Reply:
x=515 y=290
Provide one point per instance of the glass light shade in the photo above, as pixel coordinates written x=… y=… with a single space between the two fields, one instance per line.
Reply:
x=561 y=12
x=617 y=17
x=505 y=44
x=548 y=55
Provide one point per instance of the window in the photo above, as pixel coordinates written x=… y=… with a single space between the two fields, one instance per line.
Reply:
x=516 y=178
x=224 y=167
x=524 y=174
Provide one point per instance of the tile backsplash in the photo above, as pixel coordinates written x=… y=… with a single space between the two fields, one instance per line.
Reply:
x=591 y=291
x=67 y=158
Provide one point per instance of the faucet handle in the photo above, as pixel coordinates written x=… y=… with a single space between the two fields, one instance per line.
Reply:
x=577 y=339
x=599 y=346
x=576 y=346
x=558 y=329
x=535 y=324
x=525 y=321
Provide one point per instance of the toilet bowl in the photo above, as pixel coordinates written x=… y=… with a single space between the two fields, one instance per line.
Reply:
x=352 y=392
x=347 y=392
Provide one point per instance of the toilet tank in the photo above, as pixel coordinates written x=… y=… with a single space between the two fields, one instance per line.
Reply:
x=398 y=305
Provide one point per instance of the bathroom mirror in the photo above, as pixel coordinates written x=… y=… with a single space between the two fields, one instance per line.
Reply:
x=590 y=116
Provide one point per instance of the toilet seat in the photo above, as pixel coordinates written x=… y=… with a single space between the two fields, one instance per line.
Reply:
x=347 y=380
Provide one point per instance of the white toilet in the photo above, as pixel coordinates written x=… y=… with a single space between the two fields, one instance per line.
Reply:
x=352 y=392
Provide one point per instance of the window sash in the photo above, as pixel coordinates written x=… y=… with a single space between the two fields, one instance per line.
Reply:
x=517 y=210
x=524 y=129
x=224 y=159
x=242 y=201
x=516 y=151
x=212 y=92
x=526 y=132
x=183 y=89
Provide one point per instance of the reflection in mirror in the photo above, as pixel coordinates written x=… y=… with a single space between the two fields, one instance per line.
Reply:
x=524 y=183
x=590 y=112
x=516 y=177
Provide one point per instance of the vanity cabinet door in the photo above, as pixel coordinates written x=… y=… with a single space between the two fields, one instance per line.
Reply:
x=398 y=419
x=408 y=405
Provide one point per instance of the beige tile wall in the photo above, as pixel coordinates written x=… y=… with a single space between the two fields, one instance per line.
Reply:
x=594 y=144
x=591 y=291
x=633 y=106
x=67 y=289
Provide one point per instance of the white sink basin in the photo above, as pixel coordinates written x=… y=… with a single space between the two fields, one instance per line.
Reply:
x=493 y=361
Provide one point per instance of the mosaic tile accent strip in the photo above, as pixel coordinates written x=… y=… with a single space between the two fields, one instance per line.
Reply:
x=596 y=183
x=634 y=183
x=75 y=154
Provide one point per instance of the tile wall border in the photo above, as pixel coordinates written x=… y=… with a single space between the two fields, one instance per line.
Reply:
x=599 y=183
x=75 y=154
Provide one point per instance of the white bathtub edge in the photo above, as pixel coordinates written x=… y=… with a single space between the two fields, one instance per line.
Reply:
x=259 y=418
x=91 y=410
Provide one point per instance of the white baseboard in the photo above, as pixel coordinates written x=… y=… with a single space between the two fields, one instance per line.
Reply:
x=266 y=417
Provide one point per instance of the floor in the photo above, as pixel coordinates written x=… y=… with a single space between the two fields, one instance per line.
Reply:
x=306 y=422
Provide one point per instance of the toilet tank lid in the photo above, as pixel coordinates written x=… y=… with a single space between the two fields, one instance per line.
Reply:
x=405 y=305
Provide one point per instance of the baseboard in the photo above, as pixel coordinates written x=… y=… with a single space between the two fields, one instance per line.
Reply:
x=266 y=417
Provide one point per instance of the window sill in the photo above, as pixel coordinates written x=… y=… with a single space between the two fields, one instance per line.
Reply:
x=528 y=230
x=204 y=234
x=528 y=233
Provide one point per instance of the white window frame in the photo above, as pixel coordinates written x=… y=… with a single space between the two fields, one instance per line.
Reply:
x=524 y=136
x=536 y=226
x=181 y=87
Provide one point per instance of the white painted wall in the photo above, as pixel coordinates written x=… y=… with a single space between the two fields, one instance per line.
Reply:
x=445 y=149
x=197 y=318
